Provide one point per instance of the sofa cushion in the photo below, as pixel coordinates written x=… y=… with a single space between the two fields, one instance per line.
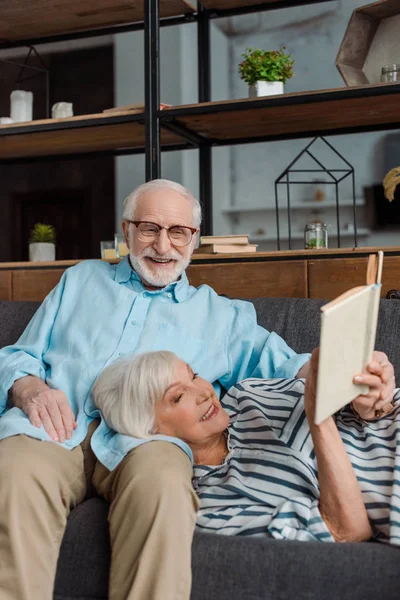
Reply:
x=236 y=568
x=14 y=317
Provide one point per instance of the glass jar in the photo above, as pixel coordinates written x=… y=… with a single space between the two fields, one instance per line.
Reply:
x=390 y=73
x=316 y=235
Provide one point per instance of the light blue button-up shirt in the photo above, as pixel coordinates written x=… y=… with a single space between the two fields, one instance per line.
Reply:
x=100 y=312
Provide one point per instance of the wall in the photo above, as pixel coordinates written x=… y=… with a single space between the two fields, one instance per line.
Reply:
x=312 y=34
x=178 y=72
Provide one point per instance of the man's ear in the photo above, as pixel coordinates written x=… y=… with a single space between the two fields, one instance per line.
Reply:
x=125 y=229
x=195 y=238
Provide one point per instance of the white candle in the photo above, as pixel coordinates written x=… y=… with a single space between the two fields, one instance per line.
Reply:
x=21 y=106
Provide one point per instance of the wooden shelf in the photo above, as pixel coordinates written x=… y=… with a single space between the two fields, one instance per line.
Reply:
x=88 y=133
x=305 y=114
x=344 y=233
x=234 y=121
x=227 y=4
x=242 y=5
x=27 y=19
x=325 y=204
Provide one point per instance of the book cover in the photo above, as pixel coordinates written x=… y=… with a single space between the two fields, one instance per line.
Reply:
x=224 y=239
x=225 y=248
x=348 y=330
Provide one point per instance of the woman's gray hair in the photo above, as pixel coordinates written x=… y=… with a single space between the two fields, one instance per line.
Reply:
x=127 y=390
x=161 y=184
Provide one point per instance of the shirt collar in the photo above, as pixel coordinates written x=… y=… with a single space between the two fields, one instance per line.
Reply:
x=124 y=272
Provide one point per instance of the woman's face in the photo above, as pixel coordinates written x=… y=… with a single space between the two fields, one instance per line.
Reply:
x=190 y=409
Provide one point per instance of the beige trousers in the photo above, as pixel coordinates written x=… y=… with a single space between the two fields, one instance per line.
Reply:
x=151 y=518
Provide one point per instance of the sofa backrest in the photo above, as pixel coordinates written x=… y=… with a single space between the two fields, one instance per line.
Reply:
x=295 y=319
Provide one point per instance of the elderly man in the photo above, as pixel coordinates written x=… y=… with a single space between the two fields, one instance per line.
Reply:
x=96 y=314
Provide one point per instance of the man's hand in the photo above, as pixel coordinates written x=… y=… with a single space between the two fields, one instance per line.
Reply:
x=44 y=406
x=381 y=381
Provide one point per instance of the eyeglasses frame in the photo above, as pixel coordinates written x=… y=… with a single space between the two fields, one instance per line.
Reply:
x=193 y=230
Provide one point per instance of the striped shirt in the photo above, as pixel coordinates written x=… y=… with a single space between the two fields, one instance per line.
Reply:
x=268 y=483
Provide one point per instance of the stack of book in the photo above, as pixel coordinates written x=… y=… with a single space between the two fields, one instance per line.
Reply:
x=225 y=244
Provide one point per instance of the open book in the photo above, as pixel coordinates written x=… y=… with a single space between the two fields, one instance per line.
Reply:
x=348 y=330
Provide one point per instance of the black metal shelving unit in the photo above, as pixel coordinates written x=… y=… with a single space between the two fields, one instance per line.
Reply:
x=204 y=125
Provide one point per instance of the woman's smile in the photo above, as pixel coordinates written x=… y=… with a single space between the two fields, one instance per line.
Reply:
x=211 y=412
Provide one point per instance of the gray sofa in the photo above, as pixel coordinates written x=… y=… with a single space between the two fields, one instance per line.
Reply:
x=229 y=568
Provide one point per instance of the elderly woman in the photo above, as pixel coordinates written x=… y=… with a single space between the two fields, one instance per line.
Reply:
x=261 y=466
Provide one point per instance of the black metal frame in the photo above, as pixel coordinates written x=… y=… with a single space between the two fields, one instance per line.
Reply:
x=152 y=88
x=285 y=179
x=155 y=119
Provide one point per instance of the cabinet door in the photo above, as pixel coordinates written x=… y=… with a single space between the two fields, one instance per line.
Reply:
x=5 y=285
x=330 y=278
x=34 y=284
x=253 y=280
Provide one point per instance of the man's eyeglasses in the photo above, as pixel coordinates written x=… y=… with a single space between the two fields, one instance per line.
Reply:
x=179 y=235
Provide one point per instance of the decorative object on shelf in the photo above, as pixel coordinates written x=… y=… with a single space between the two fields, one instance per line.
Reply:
x=225 y=244
x=120 y=246
x=42 y=243
x=319 y=193
x=226 y=248
x=390 y=183
x=62 y=110
x=21 y=106
x=40 y=68
x=6 y=121
x=107 y=250
x=390 y=73
x=304 y=177
x=315 y=235
x=241 y=238
x=371 y=40
x=266 y=71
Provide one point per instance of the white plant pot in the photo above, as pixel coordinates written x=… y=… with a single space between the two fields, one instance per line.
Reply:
x=266 y=88
x=42 y=251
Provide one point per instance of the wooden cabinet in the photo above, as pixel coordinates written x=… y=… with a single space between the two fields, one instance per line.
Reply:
x=252 y=280
x=291 y=274
x=5 y=285
x=329 y=278
x=34 y=284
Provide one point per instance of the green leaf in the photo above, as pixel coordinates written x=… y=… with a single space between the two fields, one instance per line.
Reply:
x=42 y=233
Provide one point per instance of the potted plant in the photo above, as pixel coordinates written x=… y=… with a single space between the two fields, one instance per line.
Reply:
x=266 y=71
x=42 y=243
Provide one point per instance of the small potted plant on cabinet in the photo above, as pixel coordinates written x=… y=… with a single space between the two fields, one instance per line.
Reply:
x=266 y=71
x=42 y=243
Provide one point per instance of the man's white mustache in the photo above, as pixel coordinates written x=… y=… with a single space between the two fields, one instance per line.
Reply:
x=150 y=253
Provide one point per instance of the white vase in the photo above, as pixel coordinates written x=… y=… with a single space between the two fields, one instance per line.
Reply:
x=21 y=106
x=42 y=251
x=266 y=88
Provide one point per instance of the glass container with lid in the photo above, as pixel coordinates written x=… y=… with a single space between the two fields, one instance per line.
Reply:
x=390 y=73
x=316 y=235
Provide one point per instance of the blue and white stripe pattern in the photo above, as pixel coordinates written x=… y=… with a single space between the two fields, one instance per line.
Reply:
x=268 y=483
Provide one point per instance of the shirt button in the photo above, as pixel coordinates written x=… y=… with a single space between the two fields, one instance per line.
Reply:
x=145 y=294
x=120 y=354
x=134 y=322
x=169 y=295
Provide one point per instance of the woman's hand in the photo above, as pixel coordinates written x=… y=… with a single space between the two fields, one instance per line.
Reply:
x=380 y=378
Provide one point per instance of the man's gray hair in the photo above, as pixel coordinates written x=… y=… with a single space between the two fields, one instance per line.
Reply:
x=126 y=391
x=161 y=184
